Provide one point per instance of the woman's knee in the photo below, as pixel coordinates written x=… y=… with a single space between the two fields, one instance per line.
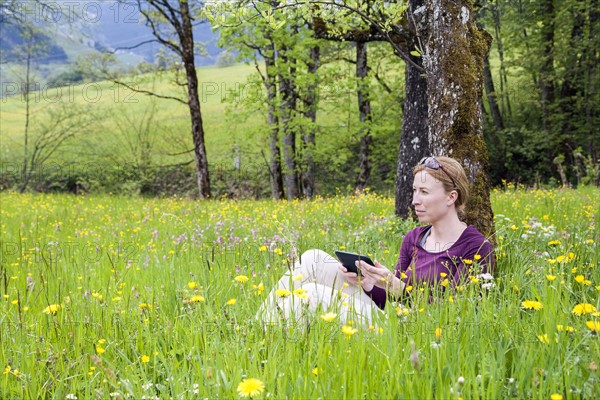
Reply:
x=315 y=257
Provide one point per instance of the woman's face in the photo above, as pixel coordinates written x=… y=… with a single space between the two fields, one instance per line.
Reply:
x=430 y=199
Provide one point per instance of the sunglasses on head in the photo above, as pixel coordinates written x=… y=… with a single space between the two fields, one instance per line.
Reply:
x=432 y=163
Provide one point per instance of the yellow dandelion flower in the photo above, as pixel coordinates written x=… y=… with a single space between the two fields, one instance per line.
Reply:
x=100 y=350
x=445 y=282
x=467 y=261
x=231 y=302
x=451 y=299
x=476 y=257
x=262 y=248
x=101 y=341
x=316 y=371
x=197 y=299
x=579 y=278
x=192 y=285
x=7 y=370
x=241 y=278
x=554 y=243
x=259 y=288
x=282 y=293
x=473 y=279
x=551 y=277
x=593 y=326
x=299 y=291
x=328 y=317
x=145 y=359
x=562 y=328
x=556 y=396
x=438 y=334
x=348 y=330
x=250 y=387
x=52 y=309
x=298 y=277
x=443 y=274
x=583 y=308
x=544 y=338
x=532 y=305
x=402 y=311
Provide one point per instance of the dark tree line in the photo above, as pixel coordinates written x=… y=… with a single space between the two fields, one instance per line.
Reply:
x=541 y=117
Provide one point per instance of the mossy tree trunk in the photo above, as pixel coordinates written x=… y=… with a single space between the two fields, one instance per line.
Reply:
x=364 y=115
x=442 y=108
x=270 y=82
x=414 y=139
x=453 y=57
x=310 y=132
x=287 y=112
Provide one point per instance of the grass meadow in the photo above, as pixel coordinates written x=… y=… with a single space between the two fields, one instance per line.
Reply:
x=124 y=121
x=127 y=297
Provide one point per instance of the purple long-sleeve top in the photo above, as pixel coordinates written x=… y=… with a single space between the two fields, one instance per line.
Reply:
x=416 y=265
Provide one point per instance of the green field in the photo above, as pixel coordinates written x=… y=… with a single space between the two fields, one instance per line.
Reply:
x=222 y=93
x=124 y=297
x=111 y=104
x=129 y=131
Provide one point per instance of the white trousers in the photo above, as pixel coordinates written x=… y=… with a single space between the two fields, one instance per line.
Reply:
x=316 y=286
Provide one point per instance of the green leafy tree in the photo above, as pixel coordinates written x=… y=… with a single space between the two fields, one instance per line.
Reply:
x=282 y=39
x=444 y=58
x=548 y=107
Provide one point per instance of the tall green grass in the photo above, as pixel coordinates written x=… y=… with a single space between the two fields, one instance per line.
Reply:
x=140 y=290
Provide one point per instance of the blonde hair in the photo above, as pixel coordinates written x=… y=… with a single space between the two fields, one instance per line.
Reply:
x=453 y=177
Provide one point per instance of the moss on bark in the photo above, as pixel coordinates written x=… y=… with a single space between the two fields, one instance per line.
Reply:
x=461 y=47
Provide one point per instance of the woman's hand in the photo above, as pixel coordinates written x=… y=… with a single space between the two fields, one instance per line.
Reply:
x=380 y=276
x=351 y=277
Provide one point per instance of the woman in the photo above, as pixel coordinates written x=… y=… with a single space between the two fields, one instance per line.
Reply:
x=438 y=254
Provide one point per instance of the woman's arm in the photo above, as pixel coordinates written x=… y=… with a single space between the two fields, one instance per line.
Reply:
x=393 y=286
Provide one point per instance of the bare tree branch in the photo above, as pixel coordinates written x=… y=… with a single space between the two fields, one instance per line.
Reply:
x=147 y=92
x=155 y=31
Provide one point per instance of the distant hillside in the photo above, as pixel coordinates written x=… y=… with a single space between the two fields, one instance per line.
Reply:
x=100 y=26
x=12 y=44
x=123 y=28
